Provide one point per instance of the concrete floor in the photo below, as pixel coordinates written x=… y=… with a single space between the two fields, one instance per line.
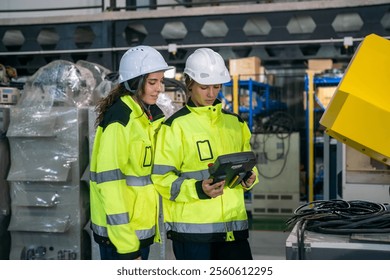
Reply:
x=268 y=237
x=268 y=245
x=267 y=240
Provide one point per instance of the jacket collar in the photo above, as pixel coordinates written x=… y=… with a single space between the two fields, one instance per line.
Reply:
x=191 y=103
x=155 y=111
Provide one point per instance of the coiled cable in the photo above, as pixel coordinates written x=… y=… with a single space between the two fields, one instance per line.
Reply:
x=339 y=217
x=344 y=217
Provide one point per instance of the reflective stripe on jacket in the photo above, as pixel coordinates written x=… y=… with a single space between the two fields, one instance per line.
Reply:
x=187 y=142
x=124 y=202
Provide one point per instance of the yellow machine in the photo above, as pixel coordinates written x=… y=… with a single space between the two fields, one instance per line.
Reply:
x=358 y=114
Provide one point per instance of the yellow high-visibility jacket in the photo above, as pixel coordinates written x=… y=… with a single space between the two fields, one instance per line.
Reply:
x=187 y=142
x=124 y=202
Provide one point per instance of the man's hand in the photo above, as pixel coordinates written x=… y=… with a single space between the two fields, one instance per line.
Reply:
x=213 y=190
x=248 y=181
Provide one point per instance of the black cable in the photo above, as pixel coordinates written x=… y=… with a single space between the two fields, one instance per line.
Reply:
x=170 y=82
x=277 y=122
x=343 y=217
x=339 y=217
x=301 y=239
x=281 y=125
x=282 y=156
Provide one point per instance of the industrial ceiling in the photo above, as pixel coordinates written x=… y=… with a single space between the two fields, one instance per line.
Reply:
x=284 y=35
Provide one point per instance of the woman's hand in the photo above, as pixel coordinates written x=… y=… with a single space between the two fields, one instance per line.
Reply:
x=248 y=182
x=213 y=190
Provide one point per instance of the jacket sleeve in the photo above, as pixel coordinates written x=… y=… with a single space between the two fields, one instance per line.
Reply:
x=166 y=174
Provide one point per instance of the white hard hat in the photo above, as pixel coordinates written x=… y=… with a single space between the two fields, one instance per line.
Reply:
x=139 y=61
x=207 y=67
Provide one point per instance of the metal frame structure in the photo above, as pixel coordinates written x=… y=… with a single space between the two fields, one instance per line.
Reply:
x=284 y=35
x=311 y=83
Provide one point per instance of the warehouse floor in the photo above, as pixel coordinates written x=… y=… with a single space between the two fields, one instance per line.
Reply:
x=267 y=238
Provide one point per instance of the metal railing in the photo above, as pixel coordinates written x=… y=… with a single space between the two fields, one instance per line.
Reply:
x=54 y=9
x=131 y=5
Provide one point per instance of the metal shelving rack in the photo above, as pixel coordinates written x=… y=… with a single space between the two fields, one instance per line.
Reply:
x=260 y=101
x=312 y=82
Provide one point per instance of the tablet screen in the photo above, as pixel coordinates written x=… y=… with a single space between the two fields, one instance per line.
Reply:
x=232 y=167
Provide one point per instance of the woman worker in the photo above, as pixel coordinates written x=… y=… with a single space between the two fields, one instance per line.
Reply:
x=124 y=202
x=203 y=220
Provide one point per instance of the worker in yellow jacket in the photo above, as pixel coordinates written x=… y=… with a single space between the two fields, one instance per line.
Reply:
x=204 y=220
x=124 y=202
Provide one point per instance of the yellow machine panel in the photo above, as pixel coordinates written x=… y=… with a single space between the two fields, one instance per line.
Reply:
x=358 y=114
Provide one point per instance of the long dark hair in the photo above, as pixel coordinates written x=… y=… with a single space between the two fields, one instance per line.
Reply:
x=189 y=82
x=137 y=83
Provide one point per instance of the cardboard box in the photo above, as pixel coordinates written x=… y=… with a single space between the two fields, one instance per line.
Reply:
x=324 y=95
x=244 y=99
x=262 y=75
x=270 y=79
x=266 y=77
x=245 y=68
x=340 y=66
x=320 y=64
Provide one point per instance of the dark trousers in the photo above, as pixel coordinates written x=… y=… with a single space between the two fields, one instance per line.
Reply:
x=233 y=250
x=108 y=252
